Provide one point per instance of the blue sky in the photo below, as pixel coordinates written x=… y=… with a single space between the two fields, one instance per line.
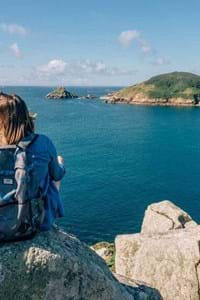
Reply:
x=93 y=42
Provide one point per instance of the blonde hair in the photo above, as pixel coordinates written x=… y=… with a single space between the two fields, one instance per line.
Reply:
x=15 y=120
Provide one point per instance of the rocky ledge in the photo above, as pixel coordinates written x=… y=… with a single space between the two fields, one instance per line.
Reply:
x=166 y=254
x=60 y=93
x=57 y=266
x=160 y=263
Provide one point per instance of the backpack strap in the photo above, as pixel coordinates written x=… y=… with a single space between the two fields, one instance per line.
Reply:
x=21 y=172
x=21 y=149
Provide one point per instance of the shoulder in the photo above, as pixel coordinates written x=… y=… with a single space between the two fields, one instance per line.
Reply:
x=44 y=142
x=41 y=143
x=43 y=138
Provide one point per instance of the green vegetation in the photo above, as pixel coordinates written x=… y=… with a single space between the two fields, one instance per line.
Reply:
x=164 y=87
x=109 y=255
x=173 y=85
x=136 y=89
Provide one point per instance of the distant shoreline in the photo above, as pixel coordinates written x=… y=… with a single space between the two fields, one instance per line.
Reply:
x=183 y=103
x=170 y=89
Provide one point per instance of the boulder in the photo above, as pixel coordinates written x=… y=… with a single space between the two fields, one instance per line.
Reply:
x=57 y=266
x=163 y=216
x=169 y=260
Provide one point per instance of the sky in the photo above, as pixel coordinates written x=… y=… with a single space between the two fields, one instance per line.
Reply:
x=96 y=42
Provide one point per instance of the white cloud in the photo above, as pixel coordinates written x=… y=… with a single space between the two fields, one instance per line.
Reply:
x=126 y=37
x=144 y=46
x=100 y=66
x=161 y=61
x=53 y=67
x=13 y=29
x=15 y=50
x=90 y=67
x=72 y=72
x=146 y=49
x=60 y=69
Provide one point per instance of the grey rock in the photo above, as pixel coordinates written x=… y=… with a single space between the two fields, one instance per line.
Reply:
x=163 y=216
x=168 y=258
x=57 y=266
x=139 y=289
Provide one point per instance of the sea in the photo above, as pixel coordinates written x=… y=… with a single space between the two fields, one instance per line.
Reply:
x=119 y=159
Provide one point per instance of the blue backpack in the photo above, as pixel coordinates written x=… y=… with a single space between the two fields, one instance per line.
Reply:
x=21 y=200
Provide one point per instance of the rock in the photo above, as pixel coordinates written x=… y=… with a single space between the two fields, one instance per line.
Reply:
x=57 y=266
x=168 y=261
x=88 y=96
x=60 y=93
x=141 y=290
x=163 y=216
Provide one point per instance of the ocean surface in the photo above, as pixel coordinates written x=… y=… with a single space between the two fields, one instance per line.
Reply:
x=119 y=158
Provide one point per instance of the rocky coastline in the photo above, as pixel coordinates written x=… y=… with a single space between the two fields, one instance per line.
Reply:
x=115 y=99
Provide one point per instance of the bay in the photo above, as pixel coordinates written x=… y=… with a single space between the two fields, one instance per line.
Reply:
x=119 y=158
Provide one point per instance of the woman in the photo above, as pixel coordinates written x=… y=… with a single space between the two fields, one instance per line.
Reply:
x=16 y=125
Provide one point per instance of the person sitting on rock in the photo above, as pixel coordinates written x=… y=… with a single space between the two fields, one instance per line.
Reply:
x=17 y=125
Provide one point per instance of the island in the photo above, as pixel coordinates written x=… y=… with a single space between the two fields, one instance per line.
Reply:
x=171 y=89
x=60 y=93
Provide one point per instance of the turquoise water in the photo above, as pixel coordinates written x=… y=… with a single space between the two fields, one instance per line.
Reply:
x=119 y=159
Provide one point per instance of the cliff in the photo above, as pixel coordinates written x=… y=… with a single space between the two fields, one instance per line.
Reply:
x=176 y=88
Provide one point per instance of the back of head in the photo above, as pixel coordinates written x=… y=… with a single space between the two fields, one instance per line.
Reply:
x=15 y=121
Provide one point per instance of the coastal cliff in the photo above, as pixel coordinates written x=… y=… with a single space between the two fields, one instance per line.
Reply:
x=172 y=89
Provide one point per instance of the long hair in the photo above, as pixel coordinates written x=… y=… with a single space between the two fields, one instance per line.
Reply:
x=14 y=118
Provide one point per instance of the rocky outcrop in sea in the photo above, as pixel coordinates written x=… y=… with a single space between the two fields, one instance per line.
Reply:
x=60 y=93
